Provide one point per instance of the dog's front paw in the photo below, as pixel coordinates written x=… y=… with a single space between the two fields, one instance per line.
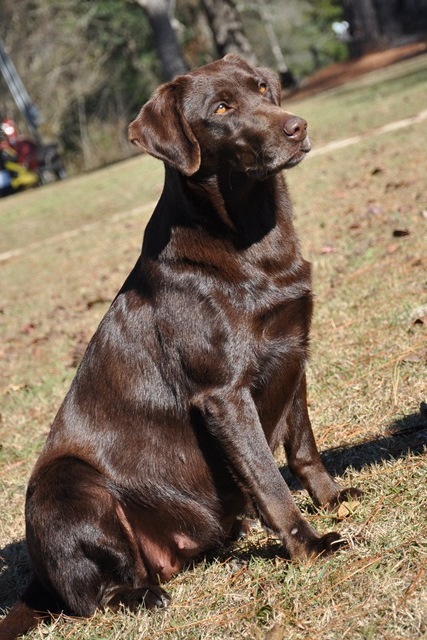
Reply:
x=328 y=543
x=305 y=543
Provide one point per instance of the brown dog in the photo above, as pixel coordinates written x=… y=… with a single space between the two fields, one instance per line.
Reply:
x=197 y=372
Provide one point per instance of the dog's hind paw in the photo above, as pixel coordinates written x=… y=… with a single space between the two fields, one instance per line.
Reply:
x=150 y=597
x=156 y=598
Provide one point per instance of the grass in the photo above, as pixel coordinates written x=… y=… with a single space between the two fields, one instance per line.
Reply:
x=84 y=200
x=366 y=375
x=380 y=97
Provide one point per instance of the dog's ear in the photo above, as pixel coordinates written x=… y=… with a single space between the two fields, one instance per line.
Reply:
x=162 y=130
x=273 y=81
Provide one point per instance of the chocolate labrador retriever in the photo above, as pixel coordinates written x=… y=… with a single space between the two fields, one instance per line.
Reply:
x=197 y=372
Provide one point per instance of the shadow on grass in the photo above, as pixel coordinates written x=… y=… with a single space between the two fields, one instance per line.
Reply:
x=403 y=437
x=407 y=436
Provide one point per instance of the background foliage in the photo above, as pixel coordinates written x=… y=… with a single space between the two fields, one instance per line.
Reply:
x=89 y=65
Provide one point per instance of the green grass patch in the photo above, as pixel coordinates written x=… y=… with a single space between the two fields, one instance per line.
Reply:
x=93 y=197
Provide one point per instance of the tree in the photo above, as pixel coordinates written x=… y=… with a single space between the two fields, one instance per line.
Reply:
x=227 y=29
x=364 y=29
x=88 y=65
x=160 y=14
x=375 y=24
x=397 y=18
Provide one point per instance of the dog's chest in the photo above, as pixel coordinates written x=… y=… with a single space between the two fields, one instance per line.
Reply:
x=280 y=334
x=266 y=329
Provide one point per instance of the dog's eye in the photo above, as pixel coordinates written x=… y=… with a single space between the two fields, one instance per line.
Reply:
x=221 y=108
x=262 y=87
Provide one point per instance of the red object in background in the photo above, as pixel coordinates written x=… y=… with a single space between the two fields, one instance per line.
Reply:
x=26 y=150
x=27 y=153
x=38 y=163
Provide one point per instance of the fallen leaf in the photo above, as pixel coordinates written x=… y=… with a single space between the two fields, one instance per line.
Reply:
x=28 y=328
x=12 y=388
x=346 y=508
x=400 y=233
x=374 y=210
x=392 y=248
x=277 y=632
x=96 y=301
x=396 y=185
x=419 y=356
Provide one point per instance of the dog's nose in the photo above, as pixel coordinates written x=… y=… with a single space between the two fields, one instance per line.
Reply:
x=295 y=128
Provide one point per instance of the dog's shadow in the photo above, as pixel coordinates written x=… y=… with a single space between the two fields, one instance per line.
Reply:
x=402 y=438
x=407 y=436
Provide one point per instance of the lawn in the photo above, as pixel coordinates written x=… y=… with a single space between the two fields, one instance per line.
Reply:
x=361 y=212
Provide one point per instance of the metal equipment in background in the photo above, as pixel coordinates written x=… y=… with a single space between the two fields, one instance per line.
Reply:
x=24 y=161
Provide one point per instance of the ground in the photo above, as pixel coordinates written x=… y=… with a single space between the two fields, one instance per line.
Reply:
x=340 y=73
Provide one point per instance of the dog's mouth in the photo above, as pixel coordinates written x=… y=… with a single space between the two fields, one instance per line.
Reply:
x=277 y=165
x=300 y=153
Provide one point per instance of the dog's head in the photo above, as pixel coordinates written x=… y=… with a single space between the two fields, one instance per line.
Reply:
x=224 y=115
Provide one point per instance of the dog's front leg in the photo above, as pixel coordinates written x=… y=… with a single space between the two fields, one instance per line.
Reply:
x=231 y=417
x=304 y=459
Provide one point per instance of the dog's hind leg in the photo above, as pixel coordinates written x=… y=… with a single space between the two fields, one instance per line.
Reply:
x=303 y=456
x=80 y=548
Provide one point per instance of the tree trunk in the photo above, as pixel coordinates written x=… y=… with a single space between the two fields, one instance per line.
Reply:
x=159 y=13
x=391 y=18
x=227 y=29
x=364 y=29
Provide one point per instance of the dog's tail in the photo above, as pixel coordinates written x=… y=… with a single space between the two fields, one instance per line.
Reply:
x=34 y=606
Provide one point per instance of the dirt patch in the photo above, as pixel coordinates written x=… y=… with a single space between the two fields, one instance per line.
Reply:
x=338 y=74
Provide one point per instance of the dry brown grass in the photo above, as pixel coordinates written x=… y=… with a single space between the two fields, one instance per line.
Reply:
x=367 y=377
